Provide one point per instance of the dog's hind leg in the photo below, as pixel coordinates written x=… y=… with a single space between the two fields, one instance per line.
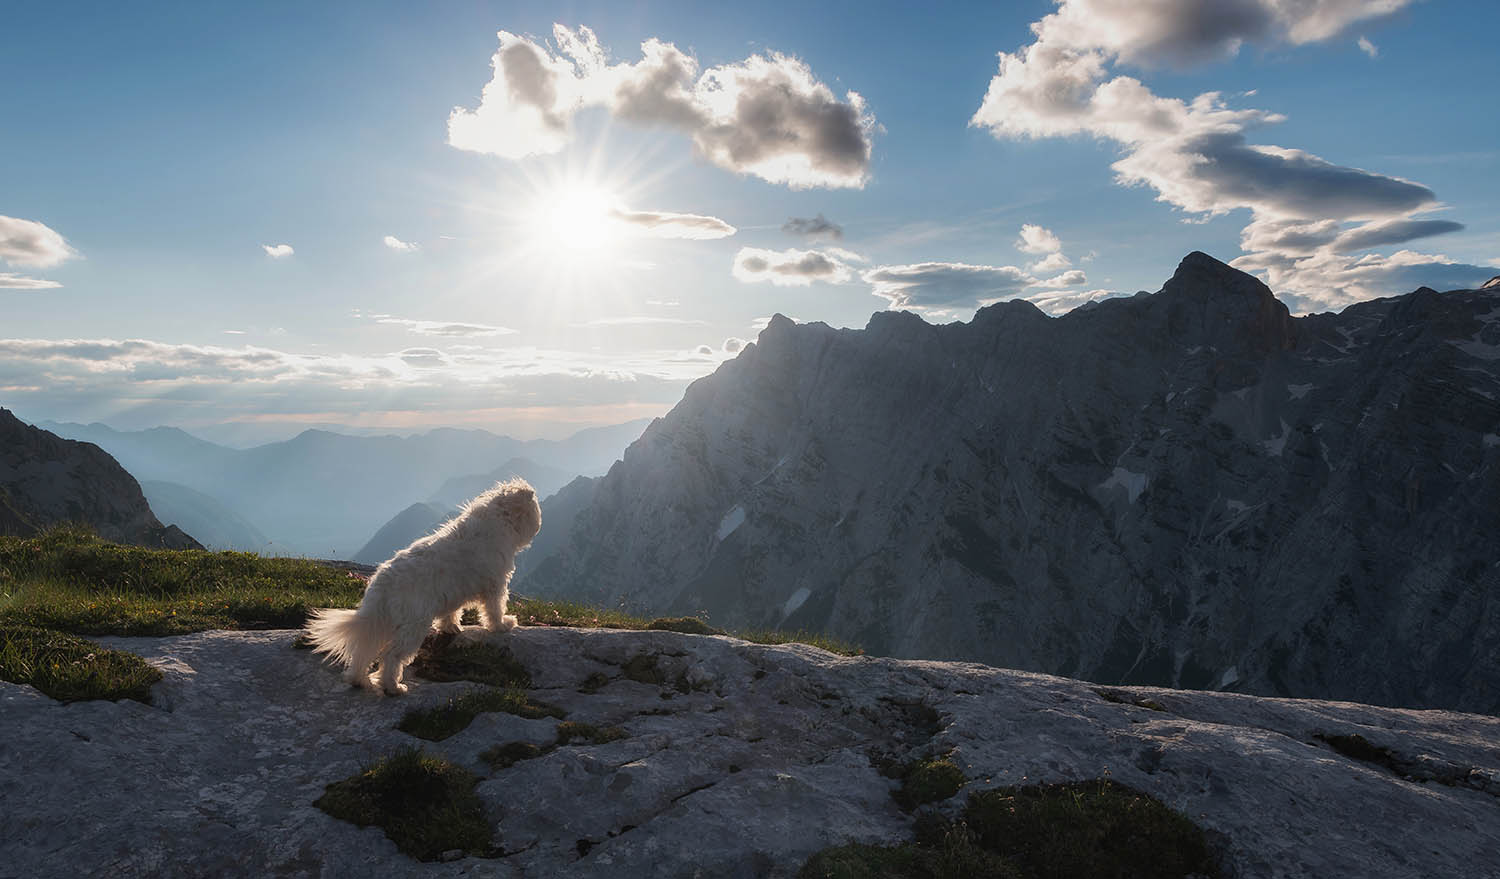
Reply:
x=361 y=654
x=402 y=649
x=451 y=624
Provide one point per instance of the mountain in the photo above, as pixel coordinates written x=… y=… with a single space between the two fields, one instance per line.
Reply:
x=460 y=489
x=46 y=480
x=323 y=494
x=215 y=525
x=1189 y=488
x=417 y=520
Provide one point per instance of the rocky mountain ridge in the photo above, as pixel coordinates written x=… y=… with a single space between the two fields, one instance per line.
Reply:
x=733 y=760
x=46 y=480
x=1189 y=488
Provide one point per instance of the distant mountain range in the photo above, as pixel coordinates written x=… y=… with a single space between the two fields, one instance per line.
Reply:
x=46 y=480
x=1189 y=488
x=324 y=494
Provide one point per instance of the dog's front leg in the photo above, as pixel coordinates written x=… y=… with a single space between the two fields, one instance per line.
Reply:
x=453 y=623
x=496 y=619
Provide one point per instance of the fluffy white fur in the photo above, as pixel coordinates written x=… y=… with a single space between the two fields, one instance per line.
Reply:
x=467 y=561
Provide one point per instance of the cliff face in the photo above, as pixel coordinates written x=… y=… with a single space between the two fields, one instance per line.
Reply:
x=45 y=480
x=1190 y=488
x=732 y=760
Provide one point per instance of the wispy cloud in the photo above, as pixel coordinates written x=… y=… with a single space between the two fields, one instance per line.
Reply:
x=1037 y=239
x=1367 y=47
x=813 y=228
x=443 y=328
x=278 y=251
x=13 y=281
x=665 y=224
x=400 y=246
x=767 y=116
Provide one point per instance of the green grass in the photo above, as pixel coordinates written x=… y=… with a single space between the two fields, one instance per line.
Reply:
x=69 y=580
x=426 y=805
x=1095 y=829
x=440 y=659
x=568 y=732
x=509 y=754
x=543 y=612
x=928 y=781
x=455 y=715
x=71 y=669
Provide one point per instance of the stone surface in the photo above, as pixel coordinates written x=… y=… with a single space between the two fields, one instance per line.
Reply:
x=744 y=761
x=47 y=480
x=1189 y=488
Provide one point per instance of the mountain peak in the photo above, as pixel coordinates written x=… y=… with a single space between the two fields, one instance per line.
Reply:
x=1219 y=303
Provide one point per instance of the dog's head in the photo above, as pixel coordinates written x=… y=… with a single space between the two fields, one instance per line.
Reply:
x=514 y=505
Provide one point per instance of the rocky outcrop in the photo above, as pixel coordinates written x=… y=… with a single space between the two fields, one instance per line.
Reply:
x=742 y=761
x=46 y=480
x=1189 y=488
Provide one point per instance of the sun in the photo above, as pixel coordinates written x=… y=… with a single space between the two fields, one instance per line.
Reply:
x=575 y=218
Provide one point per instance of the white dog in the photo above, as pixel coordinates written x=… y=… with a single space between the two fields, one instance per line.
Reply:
x=467 y=561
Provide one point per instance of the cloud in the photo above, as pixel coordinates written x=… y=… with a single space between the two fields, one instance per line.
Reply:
x=1327 y=280
x=1367 y=47
x=733 y=345
x=398 y=245
x=664 y=224
x=944 y=286
x=637 y=320
x=1196 y=154
x=1073 y=278
x=1061 y=301
x=13 y=281
x=767 y=116
x=30 y=244
x=1050 y=263
x=814 y=228
x=789 y=268
x=1037 y=239
x=444 y=328
x=278 y=251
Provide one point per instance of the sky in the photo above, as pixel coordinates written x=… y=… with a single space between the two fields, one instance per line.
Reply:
x=538 y=217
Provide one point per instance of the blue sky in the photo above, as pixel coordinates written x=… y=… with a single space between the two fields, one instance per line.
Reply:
x=571 y=265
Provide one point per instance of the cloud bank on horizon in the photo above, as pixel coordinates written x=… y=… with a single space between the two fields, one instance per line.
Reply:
x=1309 y=216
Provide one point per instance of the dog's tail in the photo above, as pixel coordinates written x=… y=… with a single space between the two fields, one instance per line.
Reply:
x=345 y=635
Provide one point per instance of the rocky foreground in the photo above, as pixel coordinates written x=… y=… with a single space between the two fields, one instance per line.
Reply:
x=744 y=761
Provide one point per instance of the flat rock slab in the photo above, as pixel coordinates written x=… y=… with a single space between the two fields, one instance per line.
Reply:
x=739 y=760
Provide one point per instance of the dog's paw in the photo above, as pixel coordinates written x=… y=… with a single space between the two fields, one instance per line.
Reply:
x=358 y=681
x=449 y=628
x=395 y=689
x=506 y=623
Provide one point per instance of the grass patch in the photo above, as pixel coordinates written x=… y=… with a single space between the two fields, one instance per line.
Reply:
x=440 y=659
x=69 y=580
x=71 y=669
x=1119 y=697
x=685 y=625
x=928 y=781
x=509 y=754
x=570 y=731
x=455 y=715
x=425 y=804
x=813 y=639
x=1358 y=747
x=1097 y=829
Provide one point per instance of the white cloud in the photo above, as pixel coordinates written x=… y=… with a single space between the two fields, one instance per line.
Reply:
x=1073 y=278
x=278 y=251
x=1196 y=154
x=1050 y=263
x=1061 y=301
x=1368 y=47
x=733 y=345
x=400 y=246
x=30 y=244
x=1327 y=280
x=13 y=281
x=443 y=328
x=1037 y=239
x=665 y=224
x=789 y=268
x=945 y=286
x=767 y=116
